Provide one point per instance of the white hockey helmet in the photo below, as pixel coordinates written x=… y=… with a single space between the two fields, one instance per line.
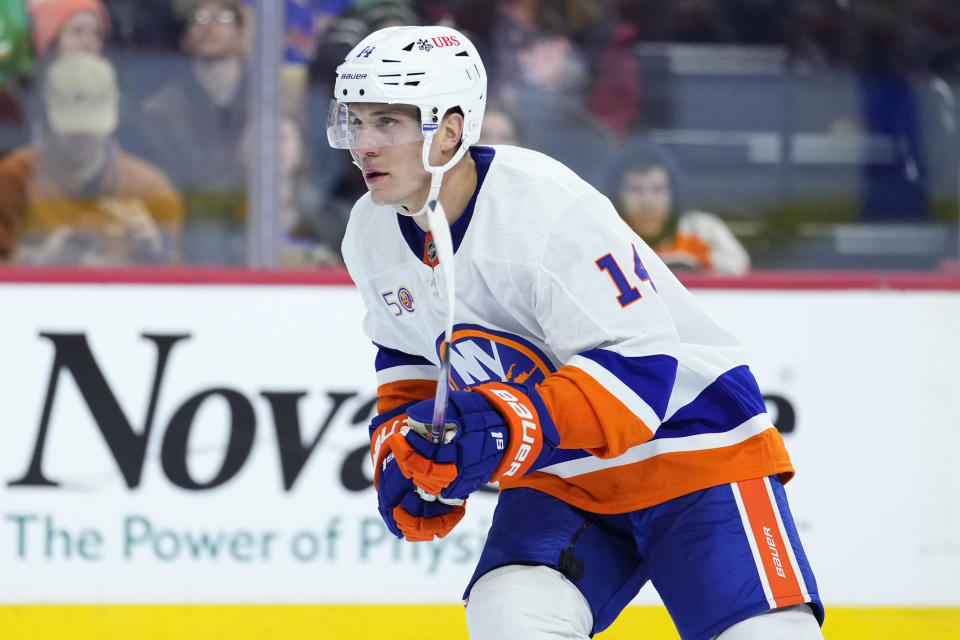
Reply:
x=432 y=68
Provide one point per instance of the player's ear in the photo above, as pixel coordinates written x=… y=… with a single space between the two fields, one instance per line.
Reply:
x=451 y=130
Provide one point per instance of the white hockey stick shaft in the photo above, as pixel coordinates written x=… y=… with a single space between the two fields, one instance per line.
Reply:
x=442 y=240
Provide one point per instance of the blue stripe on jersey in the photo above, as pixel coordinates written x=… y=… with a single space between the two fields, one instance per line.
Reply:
x=650 y=377
x=730 y=400
x=387 y=358
x=415 y=236
x=566 y=455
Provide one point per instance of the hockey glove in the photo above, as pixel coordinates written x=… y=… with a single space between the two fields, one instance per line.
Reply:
x=495 y=432
x=407 y=511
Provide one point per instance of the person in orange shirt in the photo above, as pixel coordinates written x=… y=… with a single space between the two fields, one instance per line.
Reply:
x=646 y=199
x=77 y=197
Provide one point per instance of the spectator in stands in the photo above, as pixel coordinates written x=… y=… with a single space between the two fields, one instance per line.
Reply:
x=311 y=227
x=194 y=124
x=539 y=67
x=532 y=51
x=68 y=26
x=15 y=58
x=499 y=127
x=306 y=21
x=76 y=197
x=614 y=96
x=139 y=25
x=572 y=55
x=333 y=173
x=352 y=22
x=16 y=62
x=646 y=197
x=887 y=66
x=55 y=27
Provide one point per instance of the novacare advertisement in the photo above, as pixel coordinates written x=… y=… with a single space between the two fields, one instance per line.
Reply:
x=208 y=444
x=183 y=444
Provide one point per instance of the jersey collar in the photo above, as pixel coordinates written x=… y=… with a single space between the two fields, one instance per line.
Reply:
x=416 y=237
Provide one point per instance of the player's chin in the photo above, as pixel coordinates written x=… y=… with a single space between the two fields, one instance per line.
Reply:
x=379 y=195
x=386 y=198
x=380 y=198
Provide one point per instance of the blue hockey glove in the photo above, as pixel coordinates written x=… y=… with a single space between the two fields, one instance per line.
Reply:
x=407 y=511
x=495 y=432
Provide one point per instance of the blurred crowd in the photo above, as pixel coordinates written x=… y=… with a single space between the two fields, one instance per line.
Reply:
x=126 y=134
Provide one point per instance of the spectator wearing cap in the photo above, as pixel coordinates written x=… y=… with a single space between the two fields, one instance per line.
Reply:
x=194 y=124
x=56 y=27
x=68 y=26
x=76 y=197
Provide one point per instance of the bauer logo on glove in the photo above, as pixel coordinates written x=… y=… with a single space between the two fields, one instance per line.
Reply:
x=528 y=430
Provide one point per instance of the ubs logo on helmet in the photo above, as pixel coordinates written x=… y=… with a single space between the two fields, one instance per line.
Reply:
x=442 y=41
x=445 y=41
x=365 y=53
x=481 y=355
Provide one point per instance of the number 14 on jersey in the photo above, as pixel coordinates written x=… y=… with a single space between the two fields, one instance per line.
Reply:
x=628 y=293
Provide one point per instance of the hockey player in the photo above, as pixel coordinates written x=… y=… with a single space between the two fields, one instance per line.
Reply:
x=627 y=433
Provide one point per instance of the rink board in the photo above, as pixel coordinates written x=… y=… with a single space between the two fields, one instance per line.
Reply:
x=252 y=485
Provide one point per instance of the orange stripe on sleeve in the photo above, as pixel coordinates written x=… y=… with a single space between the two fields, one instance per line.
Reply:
x=666 y=476
x=587 y=416
x=393 y=394
x=758 y=504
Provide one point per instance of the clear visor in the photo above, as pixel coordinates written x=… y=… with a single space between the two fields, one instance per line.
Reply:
x=363 y=125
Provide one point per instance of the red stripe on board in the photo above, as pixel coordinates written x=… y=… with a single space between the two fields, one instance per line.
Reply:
x=829 y=280
x=773 y=551
x=174 y=275
x=758 y=280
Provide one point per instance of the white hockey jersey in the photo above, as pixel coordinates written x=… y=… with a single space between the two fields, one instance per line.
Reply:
x=651 y=397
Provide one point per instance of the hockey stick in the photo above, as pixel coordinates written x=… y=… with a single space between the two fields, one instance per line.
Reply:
x=440 y=230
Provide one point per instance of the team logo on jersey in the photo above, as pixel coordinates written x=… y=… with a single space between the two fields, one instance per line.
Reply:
x=405 y=298
x=479 y=355
x=398 y=301
x=423 y=45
